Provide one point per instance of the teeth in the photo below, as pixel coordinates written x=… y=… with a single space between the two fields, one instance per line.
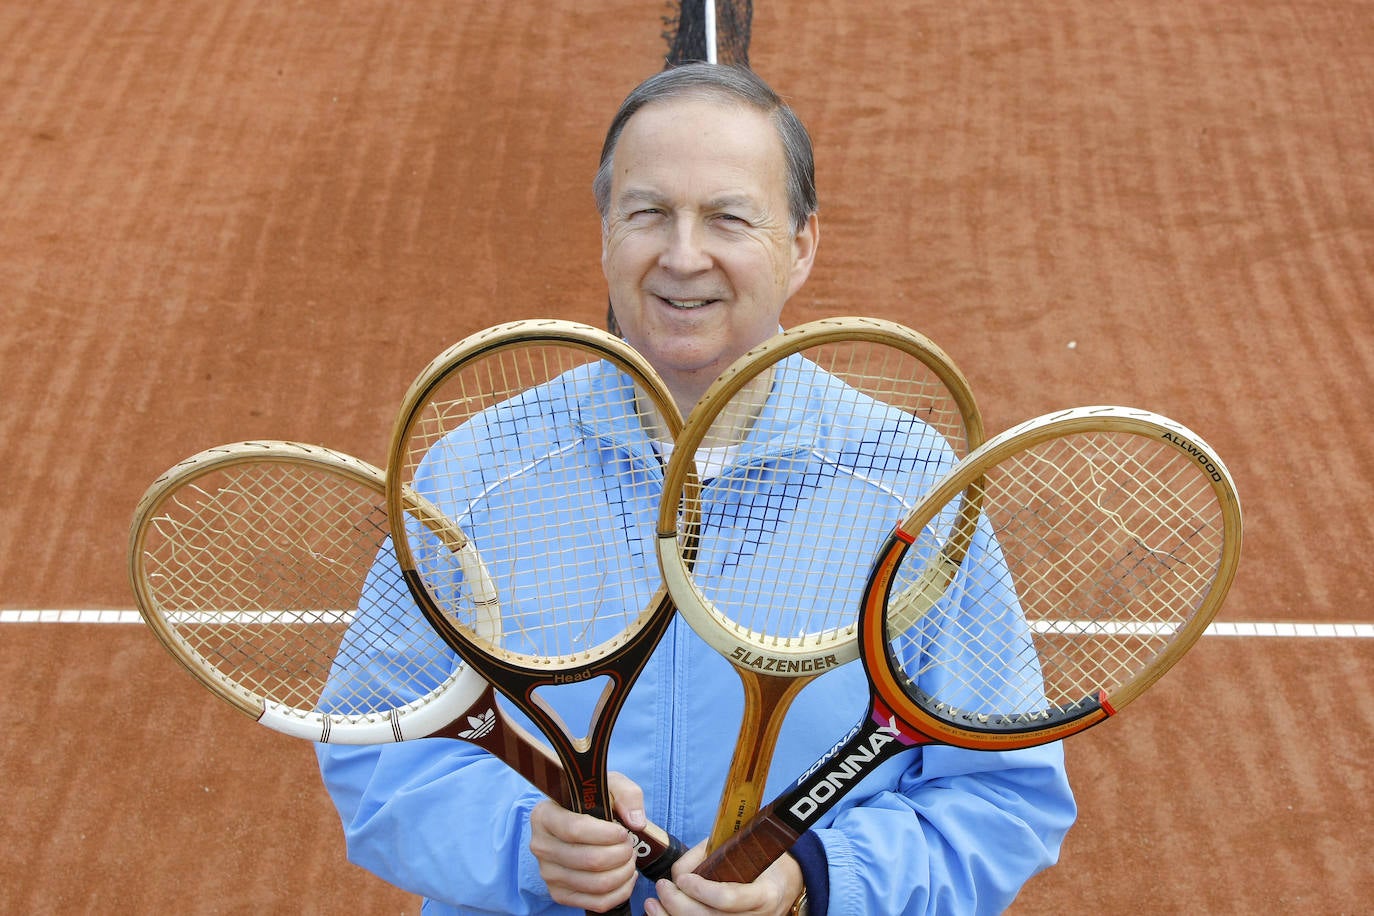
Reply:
x=688 y=303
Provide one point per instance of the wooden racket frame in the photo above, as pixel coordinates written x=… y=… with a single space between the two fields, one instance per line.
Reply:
x=266 y=451
x=620 y=660
x=802 y=660
x=441 y=713
x=894 y=721
x=877 y=607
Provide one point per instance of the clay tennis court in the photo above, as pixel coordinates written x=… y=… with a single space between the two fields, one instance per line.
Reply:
x=224 y=221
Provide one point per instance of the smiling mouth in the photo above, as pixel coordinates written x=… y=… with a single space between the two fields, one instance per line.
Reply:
x=688 y=304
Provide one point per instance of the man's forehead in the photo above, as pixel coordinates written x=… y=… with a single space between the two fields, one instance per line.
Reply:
x=727 y=132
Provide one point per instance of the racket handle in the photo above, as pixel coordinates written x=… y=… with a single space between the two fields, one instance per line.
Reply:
x=745 y=856
x=656 y=851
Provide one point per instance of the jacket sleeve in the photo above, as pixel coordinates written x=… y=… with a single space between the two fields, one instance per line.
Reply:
x=435 y=816
x=439 y=818
x=984 y=823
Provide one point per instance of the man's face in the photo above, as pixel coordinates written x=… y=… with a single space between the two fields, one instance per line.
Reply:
x=698 y=249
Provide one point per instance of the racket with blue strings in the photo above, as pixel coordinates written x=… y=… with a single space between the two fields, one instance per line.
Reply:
x=788 y=473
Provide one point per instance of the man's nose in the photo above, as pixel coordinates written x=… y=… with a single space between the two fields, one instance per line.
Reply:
x=685 y=251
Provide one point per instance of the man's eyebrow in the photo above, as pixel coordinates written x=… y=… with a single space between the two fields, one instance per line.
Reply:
x=639 y=196
x=632 y=196
x=732 y=202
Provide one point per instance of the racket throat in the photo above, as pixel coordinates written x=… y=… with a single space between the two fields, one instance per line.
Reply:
x=585 y=758
x=877 y=739
x=580 y=741
x=766 y=703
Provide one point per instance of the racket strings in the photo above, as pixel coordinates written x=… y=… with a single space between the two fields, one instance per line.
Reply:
x=539 y=453
x=258 y=570
x=850 y=435
x=1109 y=543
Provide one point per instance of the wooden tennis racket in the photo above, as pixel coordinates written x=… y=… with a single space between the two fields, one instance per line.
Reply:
x=257 y=566
x=1109 y=538
x=809 y=449
x=537 y=439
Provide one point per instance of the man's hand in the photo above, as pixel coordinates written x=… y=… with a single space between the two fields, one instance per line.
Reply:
x=772 y=894
x=589 y=863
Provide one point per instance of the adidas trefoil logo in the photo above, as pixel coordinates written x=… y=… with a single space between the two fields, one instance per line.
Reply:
x=481 y=726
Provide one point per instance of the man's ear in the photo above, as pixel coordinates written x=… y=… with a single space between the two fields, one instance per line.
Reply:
x=804 y=245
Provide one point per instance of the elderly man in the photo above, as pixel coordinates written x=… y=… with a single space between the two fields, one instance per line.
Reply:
x=709 y=225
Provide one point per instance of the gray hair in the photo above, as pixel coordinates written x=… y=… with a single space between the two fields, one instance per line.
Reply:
x=715 y=81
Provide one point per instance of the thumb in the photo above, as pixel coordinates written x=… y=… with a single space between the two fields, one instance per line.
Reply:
x=627 y=801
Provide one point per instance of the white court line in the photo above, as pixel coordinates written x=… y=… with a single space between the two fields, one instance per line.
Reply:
x=1291 y=630
x=70 y=616
x=1281 y=630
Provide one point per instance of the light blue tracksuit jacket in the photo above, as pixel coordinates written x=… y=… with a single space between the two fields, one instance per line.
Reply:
x=935 y=830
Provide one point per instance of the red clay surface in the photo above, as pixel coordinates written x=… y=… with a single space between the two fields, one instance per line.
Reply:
x=231 y=221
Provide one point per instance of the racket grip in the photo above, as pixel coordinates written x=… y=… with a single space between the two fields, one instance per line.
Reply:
x=656 y=852
x=747 y=854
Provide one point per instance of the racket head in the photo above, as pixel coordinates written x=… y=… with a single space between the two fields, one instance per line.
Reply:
x=1117 y=537
x=470 y=436
x=893 y=393
x=248 y=561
